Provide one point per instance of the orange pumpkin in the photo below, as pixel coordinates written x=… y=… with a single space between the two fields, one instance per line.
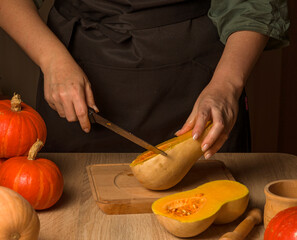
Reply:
x=283 y=226
x=39 y=180
x=20 y=126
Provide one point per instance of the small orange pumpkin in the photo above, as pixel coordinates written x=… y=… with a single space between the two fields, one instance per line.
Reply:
x=20 y=126
x=1 y=161
x=38 y=180
x=283 y=226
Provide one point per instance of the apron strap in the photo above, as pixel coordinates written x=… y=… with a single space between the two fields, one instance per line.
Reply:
x=118 y=27
x=158 y=16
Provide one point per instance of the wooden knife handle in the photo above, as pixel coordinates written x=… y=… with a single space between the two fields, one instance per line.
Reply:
x=242 y=230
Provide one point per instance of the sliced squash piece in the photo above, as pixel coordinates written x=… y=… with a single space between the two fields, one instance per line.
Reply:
x=188 y=213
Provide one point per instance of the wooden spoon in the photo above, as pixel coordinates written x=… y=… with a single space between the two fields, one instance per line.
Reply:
x=242 y=230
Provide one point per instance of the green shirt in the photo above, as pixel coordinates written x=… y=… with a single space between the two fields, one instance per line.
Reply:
x=268 y=17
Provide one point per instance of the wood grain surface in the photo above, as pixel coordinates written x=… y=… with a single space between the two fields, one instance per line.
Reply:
x=77 y=217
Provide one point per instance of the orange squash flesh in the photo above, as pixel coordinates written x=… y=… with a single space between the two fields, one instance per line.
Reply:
x=189 y=213
x=162 y=146
x=185 y=206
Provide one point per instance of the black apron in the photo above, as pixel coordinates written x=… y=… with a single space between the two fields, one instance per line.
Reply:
x=147 y=62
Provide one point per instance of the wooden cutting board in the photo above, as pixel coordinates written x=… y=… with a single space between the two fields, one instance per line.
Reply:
x=117 y=191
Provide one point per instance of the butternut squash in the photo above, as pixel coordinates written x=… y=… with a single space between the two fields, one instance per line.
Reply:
x=158 y=172
x=188 y=213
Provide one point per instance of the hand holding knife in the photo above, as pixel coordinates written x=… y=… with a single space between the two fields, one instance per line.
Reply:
x=96 y=118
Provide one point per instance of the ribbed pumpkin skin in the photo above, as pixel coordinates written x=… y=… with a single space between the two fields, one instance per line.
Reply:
x=19 y=130
x=38 y=181
x=283 y=226
x=18 y=220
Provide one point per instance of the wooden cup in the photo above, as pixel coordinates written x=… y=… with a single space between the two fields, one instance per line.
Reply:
x=280 y=195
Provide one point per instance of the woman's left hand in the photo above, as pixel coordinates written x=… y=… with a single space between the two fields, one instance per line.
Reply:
x=217 y=103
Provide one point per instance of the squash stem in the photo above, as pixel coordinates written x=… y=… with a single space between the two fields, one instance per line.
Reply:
x=35 y=149
x=16 y=103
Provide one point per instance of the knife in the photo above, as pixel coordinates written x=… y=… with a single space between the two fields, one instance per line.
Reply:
x=96 y=118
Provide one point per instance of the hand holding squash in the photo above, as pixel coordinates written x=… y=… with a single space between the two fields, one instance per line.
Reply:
x=217 y=103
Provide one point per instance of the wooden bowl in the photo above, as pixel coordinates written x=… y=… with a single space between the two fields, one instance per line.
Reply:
x=280 y=195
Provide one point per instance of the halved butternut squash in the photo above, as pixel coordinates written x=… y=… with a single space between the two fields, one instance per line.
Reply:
x=186 y=214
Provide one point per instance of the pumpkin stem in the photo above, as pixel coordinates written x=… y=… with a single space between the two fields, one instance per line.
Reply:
x=16 y=102
x=35 y=149
x=15 y=236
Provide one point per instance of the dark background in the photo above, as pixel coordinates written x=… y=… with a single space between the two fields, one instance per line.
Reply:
x=271 y=89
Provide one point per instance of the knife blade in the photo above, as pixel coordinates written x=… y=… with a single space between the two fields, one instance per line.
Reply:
x=94 y=117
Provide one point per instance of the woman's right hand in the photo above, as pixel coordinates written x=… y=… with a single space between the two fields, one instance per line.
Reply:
x=68 y=90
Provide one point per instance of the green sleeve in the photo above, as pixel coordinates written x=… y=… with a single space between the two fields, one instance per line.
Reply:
x=269 y=17
x=38 y=3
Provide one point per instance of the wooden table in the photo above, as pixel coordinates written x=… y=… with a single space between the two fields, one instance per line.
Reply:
x=77 y=217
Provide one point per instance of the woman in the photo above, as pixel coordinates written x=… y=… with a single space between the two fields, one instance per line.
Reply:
x=155 y=68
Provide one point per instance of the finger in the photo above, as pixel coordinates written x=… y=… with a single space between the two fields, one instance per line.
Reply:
x=60 y=110
x=52 y=106
x=81 y=110
x=216 y=146
x=69 y=109
x=216 y=130
x=203 y=116
x=90 y=97
x=189 y=124
x=55 y=99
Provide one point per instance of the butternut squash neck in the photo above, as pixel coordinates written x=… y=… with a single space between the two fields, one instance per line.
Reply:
x=164 y=146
